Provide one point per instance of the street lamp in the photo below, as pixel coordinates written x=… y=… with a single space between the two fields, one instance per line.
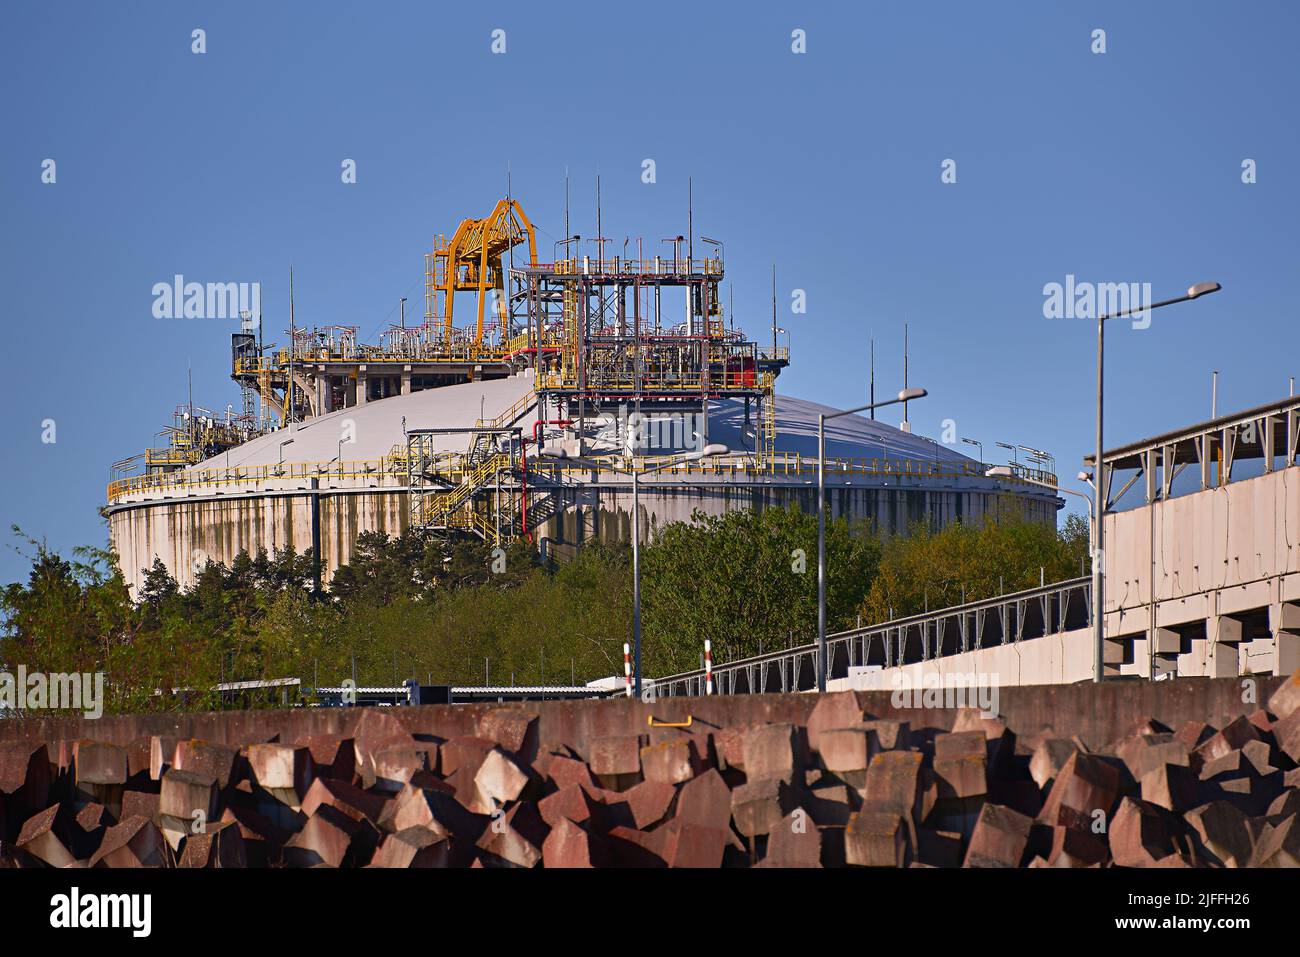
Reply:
x=1039 y=457
x=565 y=243
x=905 y=396
x=1007 y=472
x=282 y=445
x=1099 y=474
x=709 y=451
x=976 y=442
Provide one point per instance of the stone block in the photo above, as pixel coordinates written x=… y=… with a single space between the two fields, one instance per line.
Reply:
x=324 y=840
x=757 y=807
x=1140 y=835
x=1049 y=757
x=1085 y=787
x=615 y=757
x=771 y=751
x=961 y=764
x=794 y=842
x=209 y=759
x=39 y=839
x=514 y=839
x=570 y=845
x=135 y=842
x=162 y=755
x=876 y=839
x=1286 y=699
x=284 y=772
x=834 y=710
x=894 y=784
x=669 y=762
x=499 y=781
x=513 y=729
x=999 y=839
x=1170 y=786
x=414 y=847
x=1220 y=835
x=221 y=846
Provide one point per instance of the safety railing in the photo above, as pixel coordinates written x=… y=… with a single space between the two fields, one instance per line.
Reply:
x=242 y=475
x=997 y=620
x=519 y=408
x=777 y=463
x=618 y=266
x=599 y=381
x=436 y=506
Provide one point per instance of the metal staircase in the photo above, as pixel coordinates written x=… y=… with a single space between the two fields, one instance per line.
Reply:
x=450 y=491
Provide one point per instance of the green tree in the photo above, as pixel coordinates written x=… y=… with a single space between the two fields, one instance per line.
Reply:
x=747 y=580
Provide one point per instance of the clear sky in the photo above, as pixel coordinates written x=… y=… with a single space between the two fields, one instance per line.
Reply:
x=1122 y=166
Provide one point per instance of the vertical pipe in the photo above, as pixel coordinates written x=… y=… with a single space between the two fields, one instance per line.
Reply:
x=288 y=392
x=773 y=311
x=315 y=536
x=873 y=381
x=821 y=552
x=1099 y=510
x=906 y=421
x=636 y=576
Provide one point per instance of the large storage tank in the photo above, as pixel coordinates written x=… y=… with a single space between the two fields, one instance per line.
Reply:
x=324 y=481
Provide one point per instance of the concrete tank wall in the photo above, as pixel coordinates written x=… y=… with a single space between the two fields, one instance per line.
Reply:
x=186 y=533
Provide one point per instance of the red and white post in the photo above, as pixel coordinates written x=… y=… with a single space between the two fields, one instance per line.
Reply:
x=708 y=666
x=627 y=668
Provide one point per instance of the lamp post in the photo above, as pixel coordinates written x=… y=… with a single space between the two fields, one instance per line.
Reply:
x=709 y=451
x=1099 y=475
x=282 y=445
x=978 y=443
x=904 y=396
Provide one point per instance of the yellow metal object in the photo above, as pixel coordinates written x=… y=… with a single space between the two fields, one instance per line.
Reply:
x=471 y=262
x=650 y=720
x=767 y=432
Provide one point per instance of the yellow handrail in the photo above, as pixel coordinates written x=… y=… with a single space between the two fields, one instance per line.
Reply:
x=778 y=463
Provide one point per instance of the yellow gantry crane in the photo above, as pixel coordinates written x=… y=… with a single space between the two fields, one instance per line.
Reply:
x=471 y=262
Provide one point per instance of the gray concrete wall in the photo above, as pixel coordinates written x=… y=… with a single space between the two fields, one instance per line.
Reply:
x=1208 y=582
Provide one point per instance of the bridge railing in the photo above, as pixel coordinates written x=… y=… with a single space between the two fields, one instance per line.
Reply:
x=1003 y=619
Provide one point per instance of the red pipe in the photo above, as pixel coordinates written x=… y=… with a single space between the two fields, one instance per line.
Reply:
x=523 y=461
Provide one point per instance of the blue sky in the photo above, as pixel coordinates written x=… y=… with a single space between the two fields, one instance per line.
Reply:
x=1115 y=167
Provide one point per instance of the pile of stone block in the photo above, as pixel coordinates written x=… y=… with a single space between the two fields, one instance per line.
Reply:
x=846 y=788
